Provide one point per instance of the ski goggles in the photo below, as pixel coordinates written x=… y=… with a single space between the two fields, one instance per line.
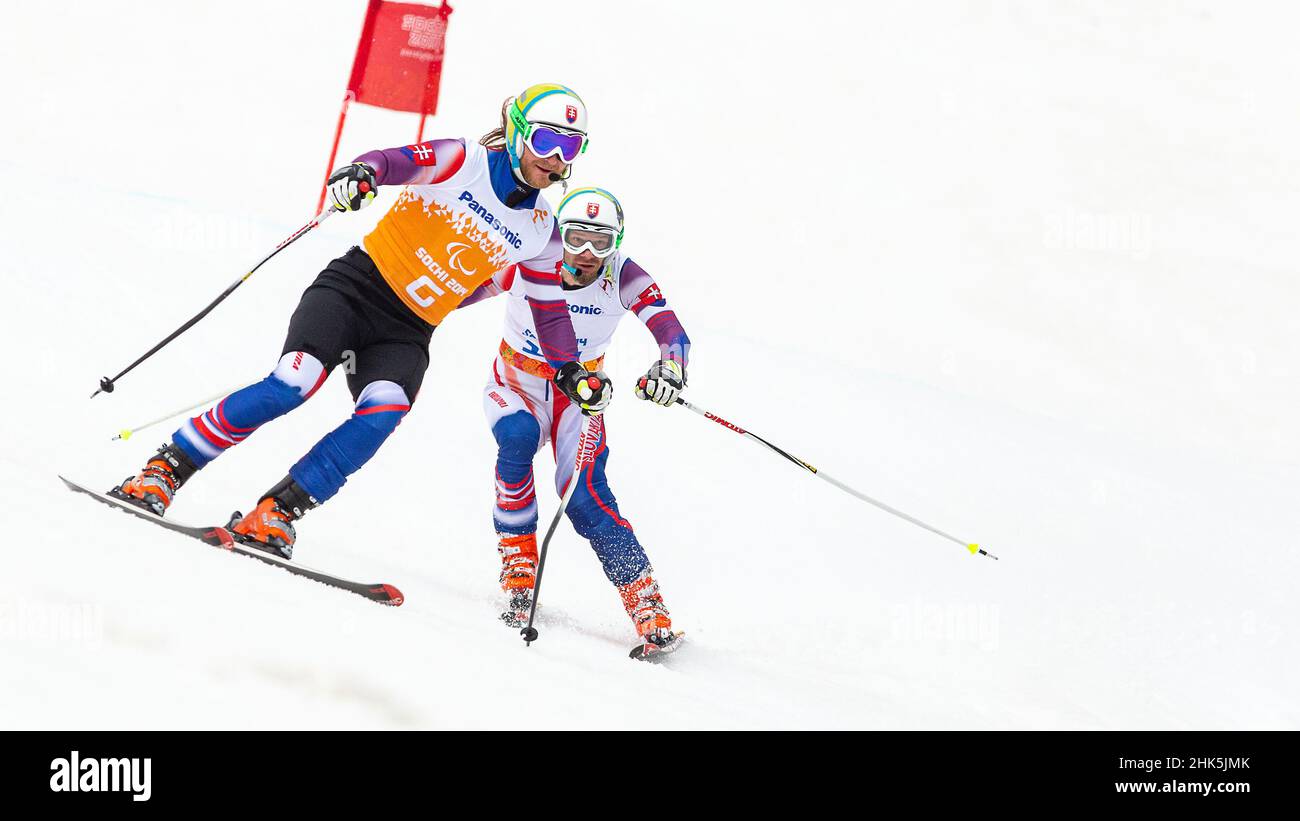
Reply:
x=577 y=237
x=543 y=141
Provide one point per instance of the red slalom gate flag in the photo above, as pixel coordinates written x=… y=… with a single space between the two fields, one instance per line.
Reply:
x=398 y=64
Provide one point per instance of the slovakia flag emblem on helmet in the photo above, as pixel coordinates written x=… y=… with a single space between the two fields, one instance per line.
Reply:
x=571 y=113
x=593 y=210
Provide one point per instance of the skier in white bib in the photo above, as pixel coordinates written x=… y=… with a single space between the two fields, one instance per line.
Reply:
x=524 y=410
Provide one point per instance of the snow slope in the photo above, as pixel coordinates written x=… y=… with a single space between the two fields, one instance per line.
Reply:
x=1026 y=273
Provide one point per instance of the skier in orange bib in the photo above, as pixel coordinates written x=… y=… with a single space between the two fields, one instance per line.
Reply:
x=468 y=210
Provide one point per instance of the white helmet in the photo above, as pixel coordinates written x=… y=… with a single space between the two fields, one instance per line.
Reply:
x=590 y=218
x=561 y=115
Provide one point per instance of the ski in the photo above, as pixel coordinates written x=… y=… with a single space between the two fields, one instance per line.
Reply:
x=233 y=542
x=654 y=653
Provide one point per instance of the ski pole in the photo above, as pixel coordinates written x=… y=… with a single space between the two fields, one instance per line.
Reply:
x=973 y=548
x=586 y=455
x=125 y=433
x=106 y=385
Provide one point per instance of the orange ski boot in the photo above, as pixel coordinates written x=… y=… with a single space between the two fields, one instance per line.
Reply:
x=270 y=523
x=645 y=606
x=518 y=575
x=154 y=488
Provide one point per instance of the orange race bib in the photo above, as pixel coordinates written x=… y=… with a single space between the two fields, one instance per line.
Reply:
x=435 y=254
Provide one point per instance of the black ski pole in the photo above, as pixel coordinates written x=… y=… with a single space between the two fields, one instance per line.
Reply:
x=821 y=474
x=587 y=442
x=106 y=385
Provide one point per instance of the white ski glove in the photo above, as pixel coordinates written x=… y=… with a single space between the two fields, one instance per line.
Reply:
x=591 y=392
x=662 y=383
x=351 y=187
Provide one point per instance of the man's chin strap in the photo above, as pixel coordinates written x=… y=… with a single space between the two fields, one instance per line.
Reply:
x=514 y=171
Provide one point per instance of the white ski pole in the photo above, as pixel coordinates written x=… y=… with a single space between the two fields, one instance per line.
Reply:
x=973 y=548
x=586 y=455
x=125 y=433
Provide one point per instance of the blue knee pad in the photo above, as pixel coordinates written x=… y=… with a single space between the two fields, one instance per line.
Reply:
x=326 y=467
x=517 y=437
x=515 y=509
x=260 y=403
x=594 y=514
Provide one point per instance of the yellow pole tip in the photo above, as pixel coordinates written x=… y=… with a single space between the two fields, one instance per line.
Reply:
x=126 y=434
x=973 y=548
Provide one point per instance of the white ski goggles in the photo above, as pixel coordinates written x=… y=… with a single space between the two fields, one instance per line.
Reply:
x=601 y=240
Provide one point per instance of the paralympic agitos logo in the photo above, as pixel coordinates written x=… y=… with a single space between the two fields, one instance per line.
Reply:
x=488 y=217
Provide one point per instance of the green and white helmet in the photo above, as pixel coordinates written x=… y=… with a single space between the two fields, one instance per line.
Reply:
x=590 y=219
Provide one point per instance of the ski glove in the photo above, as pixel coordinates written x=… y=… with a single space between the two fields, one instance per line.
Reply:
x=662 y=383
x=351 y=187
x=591 y=392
